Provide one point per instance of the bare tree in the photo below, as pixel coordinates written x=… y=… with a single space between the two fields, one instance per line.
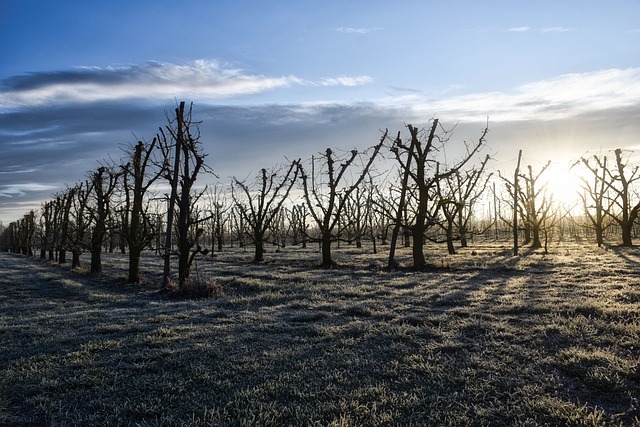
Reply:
x=456 y=194
x=325 y=199
x=45 y=230
x=79 y=220
x=103 y=184
x=356 y=211
x=218 y=211
x=621 y=209
x=300 y=226
x=537 y=203
x=424 y=177
x=188 y=161
x=62 y=206
x=138 y=176
x=594 y=194
x=260 y=204
x=533 y=204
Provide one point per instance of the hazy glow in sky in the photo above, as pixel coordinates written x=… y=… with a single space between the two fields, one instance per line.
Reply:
x=78 y=79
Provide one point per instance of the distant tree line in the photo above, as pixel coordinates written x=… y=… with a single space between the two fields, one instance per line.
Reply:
x=335 y=197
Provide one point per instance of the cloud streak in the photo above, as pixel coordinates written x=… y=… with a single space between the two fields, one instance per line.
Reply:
x=351 y=30
x=558 y=98
x=526 y=29
x=200 y=79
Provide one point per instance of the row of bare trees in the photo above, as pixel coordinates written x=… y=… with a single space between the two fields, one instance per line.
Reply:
x=119 y=202
x=607 y=196
x=334 y=197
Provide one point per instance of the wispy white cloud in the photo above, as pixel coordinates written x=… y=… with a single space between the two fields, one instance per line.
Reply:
x=561 y=97
x=200 y=79
x=351 y=30
x=633 y=31
x=526 y=29
x=149 y=81
x=346 y=81
x=555 y=29
x=15 y=190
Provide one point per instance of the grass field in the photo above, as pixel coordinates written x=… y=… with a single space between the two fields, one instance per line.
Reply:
x=482 y=338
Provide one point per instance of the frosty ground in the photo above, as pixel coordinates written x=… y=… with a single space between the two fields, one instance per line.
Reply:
x=479 y=338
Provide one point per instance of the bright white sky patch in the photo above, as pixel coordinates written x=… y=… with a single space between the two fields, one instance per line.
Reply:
x=562 y=97
x=555 y=30
x=346 y=81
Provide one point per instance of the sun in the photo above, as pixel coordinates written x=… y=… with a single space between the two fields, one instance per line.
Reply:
x=564 y=184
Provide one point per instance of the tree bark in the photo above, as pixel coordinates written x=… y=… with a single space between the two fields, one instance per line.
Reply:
x=516 y=189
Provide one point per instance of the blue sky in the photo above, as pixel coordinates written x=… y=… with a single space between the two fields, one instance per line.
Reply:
x=289 y=78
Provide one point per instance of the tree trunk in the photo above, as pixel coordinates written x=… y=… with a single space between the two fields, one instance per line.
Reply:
x=75 y=261
x=450 y=246
x=599 y=235
x=134 y=266
x=183 y=267
x=418 y=242
x=96 y=259
x=516 y=188
x=327 y=261
x=259 y=253
x=463 y=238
x=535 y=232
x=627 y=241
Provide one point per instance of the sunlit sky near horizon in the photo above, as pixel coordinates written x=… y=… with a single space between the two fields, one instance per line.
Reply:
x=78 y=79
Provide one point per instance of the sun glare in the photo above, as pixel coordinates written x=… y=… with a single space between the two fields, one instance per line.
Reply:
x=564 y=184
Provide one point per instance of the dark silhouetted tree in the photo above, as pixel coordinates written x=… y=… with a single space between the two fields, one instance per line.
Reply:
x=182 y=137
x=260 y=203
x=418 y=162
x=138 y=175
x=595 y=187
x=103 y=184
x=326 y=198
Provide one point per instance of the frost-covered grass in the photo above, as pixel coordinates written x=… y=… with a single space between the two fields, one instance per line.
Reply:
x=482 y=338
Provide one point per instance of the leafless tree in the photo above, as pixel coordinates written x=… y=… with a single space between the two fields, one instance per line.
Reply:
x=138 y=175
x=259 y=204
x=418 y=162
x=620 y=206
x=299 y=222
x=238 y=226
x=62 y=206
x=326 y=198
x=533 y=205
x=182 y=137
x=457 y=194
x=355 y=213
x=45 y=230
x=79 y=220
x=219 y=213
x=103 y=185
x=594 y=193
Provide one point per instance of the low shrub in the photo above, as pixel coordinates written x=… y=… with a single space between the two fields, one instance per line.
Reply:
x=195 y=289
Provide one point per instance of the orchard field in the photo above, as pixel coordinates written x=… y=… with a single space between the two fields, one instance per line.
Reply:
x=477 y=338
